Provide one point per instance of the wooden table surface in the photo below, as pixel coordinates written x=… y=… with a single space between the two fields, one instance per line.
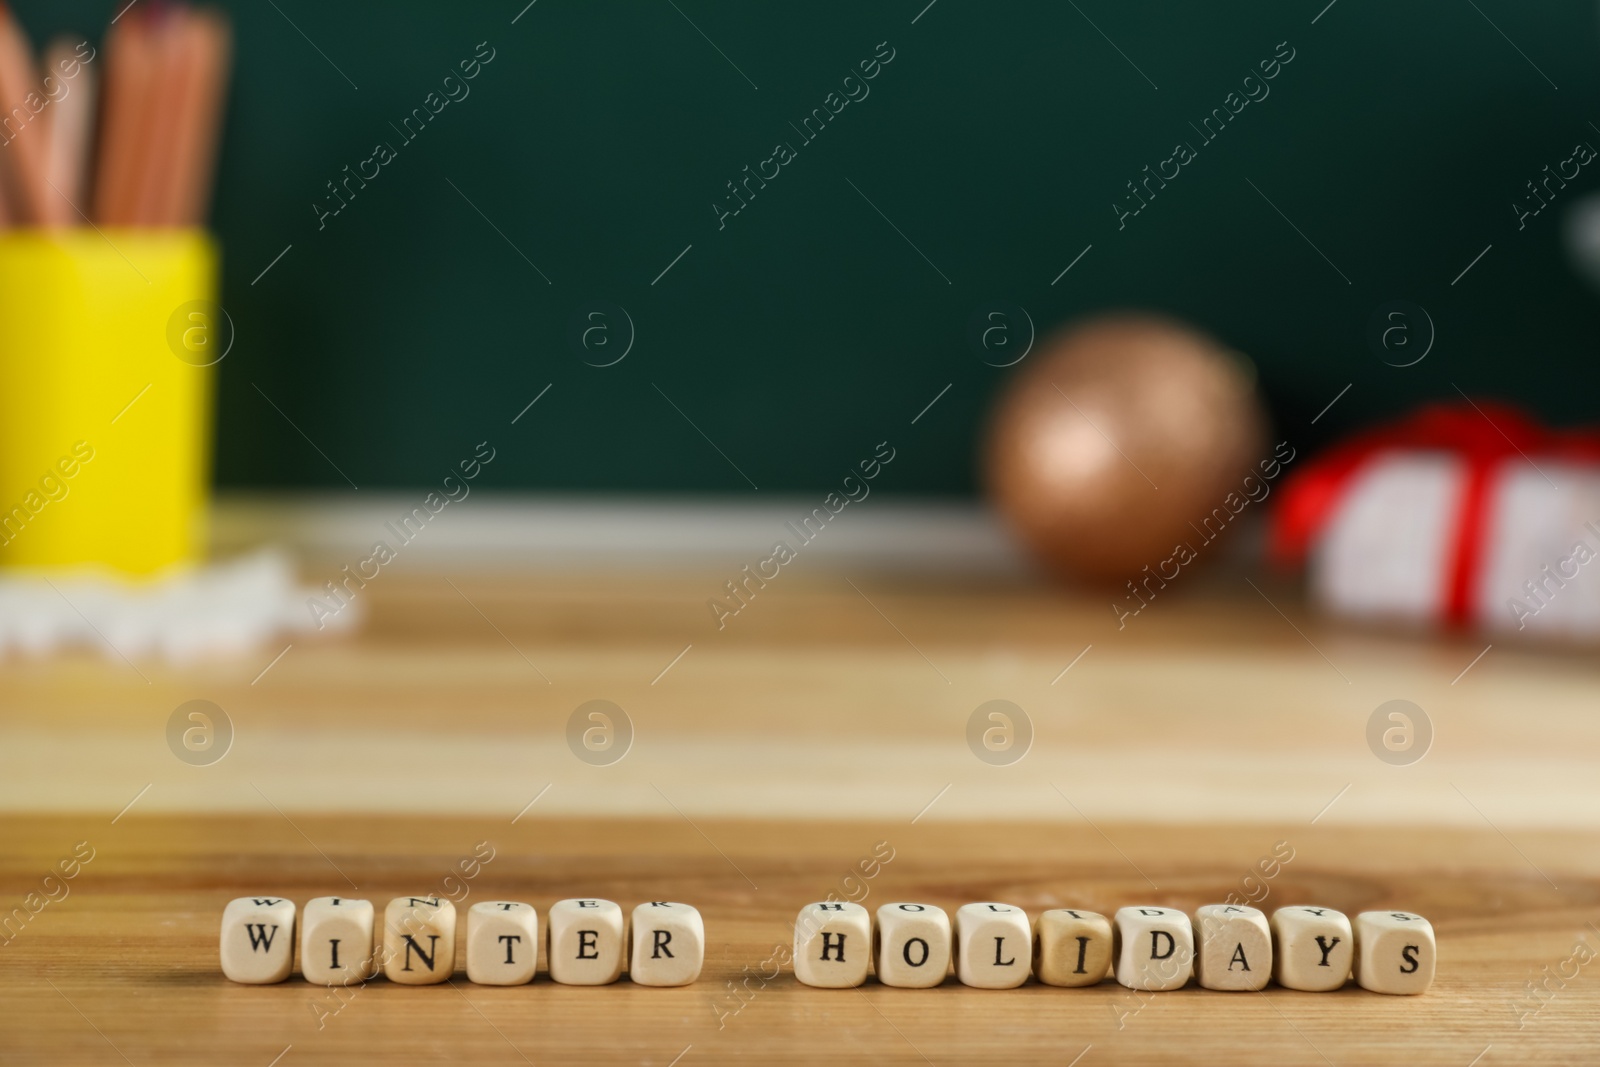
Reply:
x=768 y=760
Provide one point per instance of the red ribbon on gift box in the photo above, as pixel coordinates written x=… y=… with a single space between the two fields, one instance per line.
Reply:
x=1482 y=435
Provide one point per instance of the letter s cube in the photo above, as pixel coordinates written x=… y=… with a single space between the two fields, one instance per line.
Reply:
x=1394 y=952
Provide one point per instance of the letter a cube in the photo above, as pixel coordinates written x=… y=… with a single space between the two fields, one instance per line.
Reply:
x=1234 y=947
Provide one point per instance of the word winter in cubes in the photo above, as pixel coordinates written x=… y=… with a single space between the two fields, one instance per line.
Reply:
x=1222 y=946
x=341 y=941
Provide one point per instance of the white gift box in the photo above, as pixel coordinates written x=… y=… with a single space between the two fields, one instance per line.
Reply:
x=1428 y=536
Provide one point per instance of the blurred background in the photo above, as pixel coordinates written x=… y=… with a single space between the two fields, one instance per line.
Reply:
x=513 y=335
x=991 y=151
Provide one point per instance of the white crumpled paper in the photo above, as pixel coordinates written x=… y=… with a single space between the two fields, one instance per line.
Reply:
x=217 y=609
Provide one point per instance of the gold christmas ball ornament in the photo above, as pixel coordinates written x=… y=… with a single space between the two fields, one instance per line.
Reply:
x=1114 y=437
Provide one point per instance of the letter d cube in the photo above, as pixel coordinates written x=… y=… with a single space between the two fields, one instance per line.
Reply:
x=1155 y=948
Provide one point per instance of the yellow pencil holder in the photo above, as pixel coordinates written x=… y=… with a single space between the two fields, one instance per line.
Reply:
x=107 y=343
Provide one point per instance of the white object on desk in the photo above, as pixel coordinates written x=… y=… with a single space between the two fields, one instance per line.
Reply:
x=218 y=609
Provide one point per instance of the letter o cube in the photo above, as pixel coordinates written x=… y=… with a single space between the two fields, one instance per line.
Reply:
x=913 y=945
x=669 y=944
x=994 y=946
x=1394 y=952
x=1233 y=947
x=419 y=940
x=832 y=945
x=588 y=945
x=1313 y=948
x=1155 y=948
x=258 y=939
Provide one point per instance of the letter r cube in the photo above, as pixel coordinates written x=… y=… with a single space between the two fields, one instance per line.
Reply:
x=669 y=944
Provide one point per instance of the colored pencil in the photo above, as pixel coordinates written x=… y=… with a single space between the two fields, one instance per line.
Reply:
x=154 y=125
x=130 y=94
x=70 y=125
x=192 y=158
x=23 y=133
x=173 y=63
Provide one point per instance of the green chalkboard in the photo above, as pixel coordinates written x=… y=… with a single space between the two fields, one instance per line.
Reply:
x=580 y=181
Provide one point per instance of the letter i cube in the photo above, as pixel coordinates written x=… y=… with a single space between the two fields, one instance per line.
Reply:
x=1234 y=947
x=913 y=945
x=1313 y=948
x=669 y=944
x=258 y=939
x=336 y=941
x=419 y=941
x=1394 y=952
x=1155 y=948
x=1072 y=947
x=502 y=942
x=832 y=945
x=588 y=945
x=994 y=946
